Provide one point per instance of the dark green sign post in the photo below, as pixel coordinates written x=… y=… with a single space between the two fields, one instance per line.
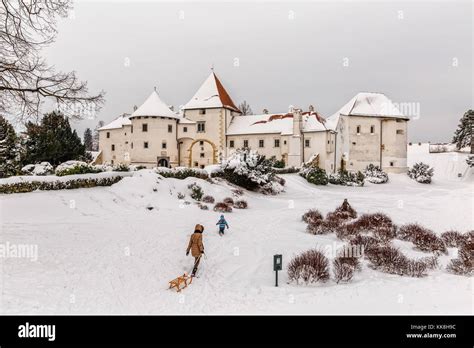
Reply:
x=277 y=266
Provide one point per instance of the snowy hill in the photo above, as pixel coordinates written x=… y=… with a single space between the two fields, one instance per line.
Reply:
x=104 y=250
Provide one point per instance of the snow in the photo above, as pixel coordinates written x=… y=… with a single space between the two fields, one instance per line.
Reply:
x=119 y=122
x=51 y=178
x=42 y=168
x=154 y=106
x=109 y=254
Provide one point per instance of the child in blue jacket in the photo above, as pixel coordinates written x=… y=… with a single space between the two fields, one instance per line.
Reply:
x=222 y=225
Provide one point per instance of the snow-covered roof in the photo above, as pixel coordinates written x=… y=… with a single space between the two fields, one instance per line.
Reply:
x=211 y=94
x=274 y=123
x=119 y=122
x=367 y=104
x=184 y=120
x=154 y=106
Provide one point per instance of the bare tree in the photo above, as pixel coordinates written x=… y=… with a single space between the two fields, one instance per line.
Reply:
x=245 y=108
x=26 y=27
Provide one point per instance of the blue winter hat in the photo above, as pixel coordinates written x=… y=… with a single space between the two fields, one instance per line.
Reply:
x=222 y=216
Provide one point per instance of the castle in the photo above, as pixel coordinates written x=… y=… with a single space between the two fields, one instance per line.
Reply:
x=369 y=129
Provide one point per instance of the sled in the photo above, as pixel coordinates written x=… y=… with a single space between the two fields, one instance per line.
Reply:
x=178 y=282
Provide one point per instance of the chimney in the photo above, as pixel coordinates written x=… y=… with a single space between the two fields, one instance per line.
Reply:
x=297 y=121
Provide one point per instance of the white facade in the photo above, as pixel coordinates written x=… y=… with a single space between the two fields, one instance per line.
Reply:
x=367 y=130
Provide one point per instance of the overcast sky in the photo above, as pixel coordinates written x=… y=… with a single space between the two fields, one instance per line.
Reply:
x=273 y=54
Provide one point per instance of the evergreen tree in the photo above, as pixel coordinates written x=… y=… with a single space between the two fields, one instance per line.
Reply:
x=9 y=149
x=88 y=139
x=462 y=135
x=95 y=139
x=52 y=141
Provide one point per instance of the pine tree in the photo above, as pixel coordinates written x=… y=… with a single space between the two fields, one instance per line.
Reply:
x=52 y=141
x=9 y=149
x=462 y=135
x=95 y=138
x=88 y=141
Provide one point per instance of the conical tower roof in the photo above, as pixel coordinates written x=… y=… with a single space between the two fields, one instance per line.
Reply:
x=154 y=106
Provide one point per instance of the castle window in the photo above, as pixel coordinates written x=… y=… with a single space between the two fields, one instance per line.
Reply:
x=112 y=161
x=185 y=129
x=307 y=143
x=201 y=143
x=392 y=163
x=202 y=111
x=246 y=143
x=201 y=155
x=145 y=145
x=131 y=145
x=231 y=143
x=201 y=127
x=108 y=135
x=400 y=131
x=131 y=129
x=372 y=129
x=284 y=142
x=277 y=142
x=170 y=128
x=113 y=147
x=163 y=145
x=145 y=127
x=261 y=143
x=358 y=130
x=196 y=164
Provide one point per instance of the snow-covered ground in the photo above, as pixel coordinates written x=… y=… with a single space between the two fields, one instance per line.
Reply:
x=100 y=250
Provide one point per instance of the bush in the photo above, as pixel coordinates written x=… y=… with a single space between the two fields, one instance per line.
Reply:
x=221 y=207
x=29 y=186
x=367 y=243
x=463 y=264
x=228 y=201
x=312 y=216
x=316 y=176
x=76 y=167
x=375 y=175
x=379 y=224
x=409 y=232
x=203 y=206
x=345 y=178
x=208 y=199
x=343 y=212
x=181 y=195
x=182 y=173
x=43 y=168
x=139 y=167
x=387 y=259
x=121 y=167
x=415 y=268
x=421 y=172
x=453 y=239
x=247 y=169
x=289 y=170
x=424 y=239
x=196 y=191
x=344 y=268
x=311 y=266
x=237 y=192
x=277 y=163
x=241 y=204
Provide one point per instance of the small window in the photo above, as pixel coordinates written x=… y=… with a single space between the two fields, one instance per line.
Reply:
x=185 y=129
x=131 y=129
x=284 y=142
x=372 y=129
x=201 y=143
x=201 y=155
x=353 y=143
x=400 y=131
x=125 y=133
x=246 y=143
x=196 y=164
x=145 y=145
x=144 y=127
x=170 y=128
x=131 y=145
x=328 y=141
x=201 y=127
x=202 y=111
x=113 y=147
x=202 y=166
x=358 y=130
x=112 y=161
x=261 y=143
x=392 y=163
x=306 y=143
x=231 y=143
x=108 y=135
x=163 y=145
x=277 y=142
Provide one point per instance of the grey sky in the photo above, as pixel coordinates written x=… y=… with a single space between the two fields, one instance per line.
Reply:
x=288 y=53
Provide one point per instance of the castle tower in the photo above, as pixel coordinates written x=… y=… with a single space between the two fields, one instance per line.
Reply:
x=212 y=109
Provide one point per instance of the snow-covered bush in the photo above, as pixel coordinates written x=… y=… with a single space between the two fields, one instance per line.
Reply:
x=316 y=176
x=203 y=206
x=228 y=201
x=470 y=161
x=344 y=268
x=289 y=170
x=312 y=216
x=343 y=212
x=43 y=168
x=221 y=207
x=387 y=259
x=345 y=178
x=315 y=222
x=241 y=204
x=29 y=186
x=375 y=175
x=453 y=239
x=423 y=238
x=379 y=224
x=415 y=268
x=121 y=167
x=366 y=243
x=247 y=169
x=196 y=191
x=237 y=192
x=311 y=266
x=208 y=199
x=464 y=263
x=76 y=167
x=421 y=172
x=277 y=163
x=181 y=195
x=181 y=172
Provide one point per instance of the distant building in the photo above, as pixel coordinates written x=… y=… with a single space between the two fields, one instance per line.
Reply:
x=368 y=129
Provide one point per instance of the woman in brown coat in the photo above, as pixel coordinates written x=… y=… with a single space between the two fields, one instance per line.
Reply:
x=196 y=246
